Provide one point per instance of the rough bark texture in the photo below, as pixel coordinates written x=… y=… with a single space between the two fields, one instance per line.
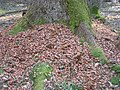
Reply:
x=49 y=10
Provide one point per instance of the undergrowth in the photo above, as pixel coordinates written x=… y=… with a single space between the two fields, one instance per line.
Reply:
x=68 y=86
x=95 y=12
x=39 y=22
x=116 y=68
x=1 y=71
x=22 y=25
x=98 y=53
x=82 y=40
x=39 y=73
x=116 y=79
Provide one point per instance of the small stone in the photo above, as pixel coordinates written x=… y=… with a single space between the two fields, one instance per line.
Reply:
x=97 y=64
x=5 y=86
x=5 y=78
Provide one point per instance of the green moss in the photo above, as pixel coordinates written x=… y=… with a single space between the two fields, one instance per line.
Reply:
x=68 y=86
x=38 y=74
x=1 y=71
x=95 y=11
x=101 y=18
x=78 y=12
x=39 y=21
x=98 y=53
x=22 y=25
x=2 y=11
x=115 y=80
x=62 y=21
x=116 y=68
x=82 y=40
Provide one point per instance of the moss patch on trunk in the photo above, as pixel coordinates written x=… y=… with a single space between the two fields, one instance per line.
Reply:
x=78 y=12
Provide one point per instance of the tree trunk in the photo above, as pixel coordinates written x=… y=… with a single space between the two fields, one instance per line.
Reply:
x=49 y=10
x=72 y=13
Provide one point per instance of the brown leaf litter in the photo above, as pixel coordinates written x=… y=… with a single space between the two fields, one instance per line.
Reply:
x=55 y=44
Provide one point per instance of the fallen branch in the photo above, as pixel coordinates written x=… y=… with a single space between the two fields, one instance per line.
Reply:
x=11 y=12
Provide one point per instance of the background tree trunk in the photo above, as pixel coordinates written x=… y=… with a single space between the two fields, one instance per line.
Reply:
x=92 y=3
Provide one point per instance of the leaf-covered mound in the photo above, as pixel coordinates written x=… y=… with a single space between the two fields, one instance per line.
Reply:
x=55 y=44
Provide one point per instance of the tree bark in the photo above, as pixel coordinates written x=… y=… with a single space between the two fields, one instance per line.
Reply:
x=49 y=10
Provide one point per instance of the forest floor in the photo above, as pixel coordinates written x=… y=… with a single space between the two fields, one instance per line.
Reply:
x=54 y=43
x=8 y=20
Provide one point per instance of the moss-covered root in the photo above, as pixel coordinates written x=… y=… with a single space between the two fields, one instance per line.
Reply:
x=39 y=73
x=22 y=25
x=99 y=53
